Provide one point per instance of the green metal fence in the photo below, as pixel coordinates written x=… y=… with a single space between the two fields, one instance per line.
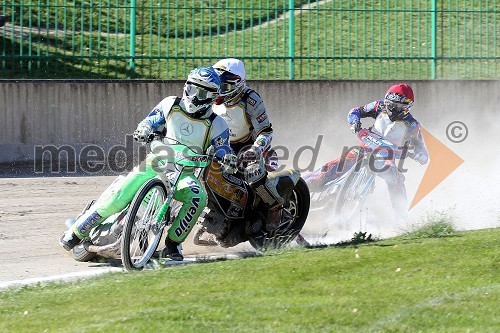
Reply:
x=277 y=39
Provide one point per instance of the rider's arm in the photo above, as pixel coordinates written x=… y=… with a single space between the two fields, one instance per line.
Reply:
x=156 y=118
x=417 y=141
x=261 y=128
x=369 y=110
x=219 y=137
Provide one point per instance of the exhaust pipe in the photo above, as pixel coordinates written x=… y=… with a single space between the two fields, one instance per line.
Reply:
x=112 y=250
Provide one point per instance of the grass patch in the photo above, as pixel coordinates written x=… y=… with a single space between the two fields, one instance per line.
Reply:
x=426 y=285
x=434 y=224
x=358 y=238
x=332 y=39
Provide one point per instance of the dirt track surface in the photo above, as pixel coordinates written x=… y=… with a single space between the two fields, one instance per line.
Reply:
x=32 y=215
x=33 y=211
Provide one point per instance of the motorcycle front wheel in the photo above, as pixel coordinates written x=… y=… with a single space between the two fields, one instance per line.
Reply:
x=352 y=195
x=141 y=231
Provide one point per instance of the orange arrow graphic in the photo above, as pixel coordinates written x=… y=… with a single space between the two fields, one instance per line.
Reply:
x=443 y=161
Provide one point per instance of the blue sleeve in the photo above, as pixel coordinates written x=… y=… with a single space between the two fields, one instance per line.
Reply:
x=221 y=144
x=417 y=140
x=354 y=115
x=369 y=110
x=155 y=119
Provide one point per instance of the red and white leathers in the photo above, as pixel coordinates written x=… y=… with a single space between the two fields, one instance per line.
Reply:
x=399 y=132
x=249 y=125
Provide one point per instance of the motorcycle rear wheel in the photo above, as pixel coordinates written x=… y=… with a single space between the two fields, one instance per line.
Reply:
x=297 y=208
x=141 y=234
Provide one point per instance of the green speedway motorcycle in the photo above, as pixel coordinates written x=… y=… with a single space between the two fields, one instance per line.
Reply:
x=234 y=213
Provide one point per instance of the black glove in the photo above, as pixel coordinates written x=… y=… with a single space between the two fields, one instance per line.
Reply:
x=143 y=133
x=355 y=127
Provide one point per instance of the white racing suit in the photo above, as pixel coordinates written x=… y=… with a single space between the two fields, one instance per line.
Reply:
x=250 y=128
x=399 y=132
x=249 y=125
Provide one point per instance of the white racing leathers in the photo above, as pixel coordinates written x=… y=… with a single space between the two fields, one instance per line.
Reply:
x=250 y=129
x=249 y=125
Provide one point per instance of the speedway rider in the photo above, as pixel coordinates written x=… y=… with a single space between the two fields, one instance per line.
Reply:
x=394 y=123
x=250 y=130
x=243 y=109
x=172 y=115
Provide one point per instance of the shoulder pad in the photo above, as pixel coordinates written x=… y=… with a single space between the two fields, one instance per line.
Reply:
x=166 y=105
x=410 y=121
x=168 y=102
x=252 y=100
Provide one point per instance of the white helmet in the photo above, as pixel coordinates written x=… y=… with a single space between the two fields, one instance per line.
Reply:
x=232 y=75
x=201 y=89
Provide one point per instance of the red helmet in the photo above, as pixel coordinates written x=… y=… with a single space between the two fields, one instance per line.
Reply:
x=398 y=101
x=400 y=93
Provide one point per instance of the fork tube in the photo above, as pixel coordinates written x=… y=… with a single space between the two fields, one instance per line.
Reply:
x=149 y=208
x=164 y=208
x=170 y=195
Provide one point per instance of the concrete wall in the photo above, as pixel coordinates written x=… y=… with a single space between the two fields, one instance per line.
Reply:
x=76 y=113
x=102 y=112
x=303 y=113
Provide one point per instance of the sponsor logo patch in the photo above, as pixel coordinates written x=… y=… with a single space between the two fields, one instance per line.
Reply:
x=198 y=158
x=89 y=223
x=220 y=141
x=265 y=195
x=185 y=224
x=251 y=101
x=232 y=179
x=186 y=129
x=393 y=97
x=262 y=117
x=234 y=210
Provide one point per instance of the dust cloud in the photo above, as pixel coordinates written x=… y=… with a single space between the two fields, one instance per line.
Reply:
x=469 y=195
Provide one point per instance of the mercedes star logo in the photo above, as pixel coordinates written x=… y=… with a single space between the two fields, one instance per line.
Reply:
x=186 y=129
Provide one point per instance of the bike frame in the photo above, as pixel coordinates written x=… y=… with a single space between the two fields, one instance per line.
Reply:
x=182 y=156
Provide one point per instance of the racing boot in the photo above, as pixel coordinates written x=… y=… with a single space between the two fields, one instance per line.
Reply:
x=69 y=240
x=272 y=199
x=272 y=188
x=277 y=187
x=81 y=229
x=397 y=192
x=172 y=250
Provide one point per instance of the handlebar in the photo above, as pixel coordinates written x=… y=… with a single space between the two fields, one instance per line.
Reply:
x=179 y=153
